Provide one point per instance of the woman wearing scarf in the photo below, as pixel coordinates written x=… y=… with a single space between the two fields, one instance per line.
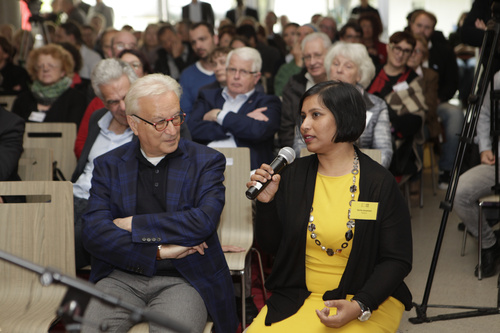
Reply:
x=50 y=98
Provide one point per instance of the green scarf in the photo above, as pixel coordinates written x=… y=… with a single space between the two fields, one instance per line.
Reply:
x=46 y=95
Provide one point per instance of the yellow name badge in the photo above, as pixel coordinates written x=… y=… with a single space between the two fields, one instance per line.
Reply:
x=363 y=210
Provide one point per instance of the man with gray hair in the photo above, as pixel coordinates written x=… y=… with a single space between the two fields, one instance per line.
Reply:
x=314 y=48
x=238 y=115
x=108 y=129
x=151 y=223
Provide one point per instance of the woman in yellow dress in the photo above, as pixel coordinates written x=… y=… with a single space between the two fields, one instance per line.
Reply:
x=337 y=225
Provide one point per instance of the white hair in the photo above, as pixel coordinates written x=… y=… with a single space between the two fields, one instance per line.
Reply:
x=356 y=53
x=109 y=70
x=247 y=53
x=150 y=85
x=316 y=35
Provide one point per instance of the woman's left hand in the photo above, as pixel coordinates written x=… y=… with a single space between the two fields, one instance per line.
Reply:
x=346 y=311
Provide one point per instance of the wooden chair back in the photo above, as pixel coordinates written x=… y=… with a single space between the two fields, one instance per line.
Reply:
x=6 y=101
x=236 y=225
x=60 y=137
x=42 y=233
x=36 y=164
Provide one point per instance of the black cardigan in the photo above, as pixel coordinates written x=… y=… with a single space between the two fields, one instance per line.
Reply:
x=381 y=254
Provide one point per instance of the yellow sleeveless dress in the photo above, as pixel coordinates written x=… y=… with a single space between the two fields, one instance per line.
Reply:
x=323 y=272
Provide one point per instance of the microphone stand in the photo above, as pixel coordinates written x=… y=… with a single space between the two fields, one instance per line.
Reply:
x=482 y=77
x=79 y=293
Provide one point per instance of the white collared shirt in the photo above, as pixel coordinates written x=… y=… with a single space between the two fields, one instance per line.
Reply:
x=230 y=105
x=106 y=140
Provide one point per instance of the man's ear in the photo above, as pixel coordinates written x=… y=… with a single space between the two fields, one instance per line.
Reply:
x=133 y=124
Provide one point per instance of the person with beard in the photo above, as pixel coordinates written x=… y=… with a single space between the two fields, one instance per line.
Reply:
x=203 y=41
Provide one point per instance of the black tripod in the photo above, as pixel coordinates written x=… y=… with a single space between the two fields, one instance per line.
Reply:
x=482 y=77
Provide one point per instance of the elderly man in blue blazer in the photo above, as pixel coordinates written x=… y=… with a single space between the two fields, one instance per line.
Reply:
x=151 y=223
x=238 y=115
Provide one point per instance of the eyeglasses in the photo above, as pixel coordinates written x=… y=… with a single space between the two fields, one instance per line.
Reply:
x=135 y=64
x=176 y=120
x=400 y=50
x=49 y=67
x=122 y=46
x=243 y=72
x=310 y=57
x=417 y=51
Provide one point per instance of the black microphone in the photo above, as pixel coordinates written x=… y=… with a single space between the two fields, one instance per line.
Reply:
x=285 y=157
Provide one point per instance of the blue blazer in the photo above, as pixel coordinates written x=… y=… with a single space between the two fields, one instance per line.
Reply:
x=248 y=132
x=195 y=200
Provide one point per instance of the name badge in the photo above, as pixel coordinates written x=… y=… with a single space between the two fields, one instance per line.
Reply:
x=400 y=86
x=362 y=210
x=37 y=116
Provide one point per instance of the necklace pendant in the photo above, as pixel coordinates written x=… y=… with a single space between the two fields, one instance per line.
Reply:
x=348 y=235
x=311 y=227
x=313 y=235
x=353 y=189
x=329 y=252
x=350 y=224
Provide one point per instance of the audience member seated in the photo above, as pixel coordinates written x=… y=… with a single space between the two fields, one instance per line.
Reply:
x=313 y=48
x=105 y=43
x=201 y=73
x=350 y=63
x=289 y=37
x=402 y=89
x=174 y=54
x=273 y=39
x=11 y=146
x=226 y=35
x=364 y=7
x=443 y=60
x=343 y=272
x=137 y=61
x=351 y=32
x=372 y=29
x=106 y=11
x=238 y=115
x=74 y=14
x=328 y=25
x=149 y=43
x=430 y=86
x=89 y=36
x=476 y=183
x=70 y=33
x=123 y=40
x=82 y=85
x=165 y=249
x=286 y=71
x=107 y=129
x=50 y=99
x=218 y=58
x=14 y=79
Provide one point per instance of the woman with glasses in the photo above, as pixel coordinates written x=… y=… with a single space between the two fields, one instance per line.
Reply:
x=338 y=267
x=137 y=61
x=51 y=98
x=401 y=88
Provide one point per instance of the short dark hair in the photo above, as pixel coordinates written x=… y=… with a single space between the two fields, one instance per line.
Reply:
x=353 y=25
x=164 y=28
x=345 y=103
x=71 y=28
x=400 y=36
x=375 y=21
x=146 y=67
x=209 y=27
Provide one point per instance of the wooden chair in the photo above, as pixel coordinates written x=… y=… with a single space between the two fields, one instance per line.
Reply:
x=6 y=101
x=36 y=164
x=42 y=233
x=236 y=224
x=57 y=136
x=487 y=202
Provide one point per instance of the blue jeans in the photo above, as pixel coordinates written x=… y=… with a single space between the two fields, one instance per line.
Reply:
x=452 y=119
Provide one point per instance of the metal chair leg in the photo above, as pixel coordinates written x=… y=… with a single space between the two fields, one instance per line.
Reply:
x=464 y=240
x=261 y=269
